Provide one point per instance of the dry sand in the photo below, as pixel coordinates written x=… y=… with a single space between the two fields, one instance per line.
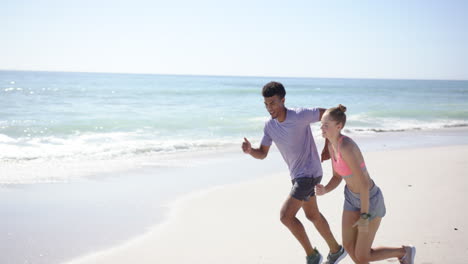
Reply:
x=425 y=194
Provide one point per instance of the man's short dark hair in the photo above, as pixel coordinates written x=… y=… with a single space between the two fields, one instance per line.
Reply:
x=273 y=88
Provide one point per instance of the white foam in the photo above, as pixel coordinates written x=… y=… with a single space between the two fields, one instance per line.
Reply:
x=99 y=146
x=6 y=139
x=362 y=123
x=52 y=159
x=261 y=119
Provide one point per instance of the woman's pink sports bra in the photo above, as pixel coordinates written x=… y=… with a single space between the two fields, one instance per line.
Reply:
x=340 y=166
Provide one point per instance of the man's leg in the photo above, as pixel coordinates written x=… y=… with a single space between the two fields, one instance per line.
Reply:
x=313 y=214
x=288 y=217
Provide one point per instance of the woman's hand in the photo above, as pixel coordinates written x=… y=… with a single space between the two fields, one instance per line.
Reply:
x=320 y=189
x=362 y=225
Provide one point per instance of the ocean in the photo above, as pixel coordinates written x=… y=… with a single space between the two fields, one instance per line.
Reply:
x=80 y=118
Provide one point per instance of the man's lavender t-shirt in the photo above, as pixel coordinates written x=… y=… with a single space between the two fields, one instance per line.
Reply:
x=294 y=139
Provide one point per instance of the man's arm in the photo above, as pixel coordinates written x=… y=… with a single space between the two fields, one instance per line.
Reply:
x=258 y=153
x=322 y=111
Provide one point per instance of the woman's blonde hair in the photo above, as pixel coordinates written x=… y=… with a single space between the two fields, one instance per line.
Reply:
x=337 y=114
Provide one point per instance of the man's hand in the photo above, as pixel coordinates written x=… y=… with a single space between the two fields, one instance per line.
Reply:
x=320 y=189
x=246 y=146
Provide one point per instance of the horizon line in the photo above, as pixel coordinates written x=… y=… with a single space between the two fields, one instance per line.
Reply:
x=233 y=75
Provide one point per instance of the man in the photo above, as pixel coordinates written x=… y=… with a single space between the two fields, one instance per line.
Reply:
x=291 y=132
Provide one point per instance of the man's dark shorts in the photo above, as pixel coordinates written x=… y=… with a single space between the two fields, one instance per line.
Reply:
x=303 y=188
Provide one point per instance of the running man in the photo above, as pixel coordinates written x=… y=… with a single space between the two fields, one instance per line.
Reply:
x=291 y=132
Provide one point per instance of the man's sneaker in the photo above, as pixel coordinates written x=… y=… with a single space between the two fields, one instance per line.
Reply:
x=408 y=258
x=316 y=258
x=336 y=257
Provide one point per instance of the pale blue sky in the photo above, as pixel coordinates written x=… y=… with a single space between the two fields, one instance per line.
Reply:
x=355 y=39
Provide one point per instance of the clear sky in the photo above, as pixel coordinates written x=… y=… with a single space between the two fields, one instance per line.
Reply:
x=356 y=39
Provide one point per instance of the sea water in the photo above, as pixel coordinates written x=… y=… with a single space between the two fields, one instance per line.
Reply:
x=86 y=118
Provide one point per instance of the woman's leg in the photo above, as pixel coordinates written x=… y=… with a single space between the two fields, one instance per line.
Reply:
x=349 y=233
x=363 y=251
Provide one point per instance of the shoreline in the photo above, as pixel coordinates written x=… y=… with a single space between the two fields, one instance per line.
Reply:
x=53 y=171
x=207 y=226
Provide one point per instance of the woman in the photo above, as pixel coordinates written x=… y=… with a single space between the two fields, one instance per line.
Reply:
x=364 y=205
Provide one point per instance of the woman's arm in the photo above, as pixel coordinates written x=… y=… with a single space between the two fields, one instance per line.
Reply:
x=331 y=185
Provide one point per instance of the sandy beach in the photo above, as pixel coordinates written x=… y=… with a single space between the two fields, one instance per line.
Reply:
x=424 y=190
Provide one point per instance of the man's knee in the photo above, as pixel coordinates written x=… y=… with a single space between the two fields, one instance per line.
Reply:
x=289 y=210
x=314 y=216
x=286 y=219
